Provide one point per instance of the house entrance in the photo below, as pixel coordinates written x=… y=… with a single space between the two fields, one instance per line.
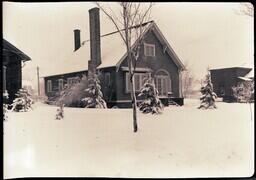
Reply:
x=163 y=83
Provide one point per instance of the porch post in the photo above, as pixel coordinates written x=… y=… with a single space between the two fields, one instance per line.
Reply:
x=4 y=79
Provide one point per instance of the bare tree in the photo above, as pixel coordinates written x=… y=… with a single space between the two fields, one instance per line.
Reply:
x=130 y=23
x=246 y=9
x=187 y=81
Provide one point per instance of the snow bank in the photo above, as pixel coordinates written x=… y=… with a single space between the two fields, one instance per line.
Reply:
x=181 y=142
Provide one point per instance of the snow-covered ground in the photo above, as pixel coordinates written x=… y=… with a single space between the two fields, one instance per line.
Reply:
x=181 y=142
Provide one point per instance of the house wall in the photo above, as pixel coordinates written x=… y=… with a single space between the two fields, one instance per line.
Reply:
x=161 y=61
x=108 y=90
x=13 y=74
x=55 y=82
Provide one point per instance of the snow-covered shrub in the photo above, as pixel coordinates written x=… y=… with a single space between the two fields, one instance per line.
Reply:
x=95 y=96
x=5 y=105
x=208 y=96
x=23 y=102
x=72 y=96
x=60 y=112
x=151 y=102
x=244 y=91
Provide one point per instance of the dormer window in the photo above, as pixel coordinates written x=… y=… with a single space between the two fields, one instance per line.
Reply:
x=149 y=49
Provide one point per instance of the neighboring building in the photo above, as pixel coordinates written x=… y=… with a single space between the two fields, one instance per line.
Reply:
x=225 y=78
x=11 y=70
x=157 y=59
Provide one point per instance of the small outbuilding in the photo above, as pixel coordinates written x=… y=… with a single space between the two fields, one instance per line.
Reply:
x=225 y=78
x=12 y=69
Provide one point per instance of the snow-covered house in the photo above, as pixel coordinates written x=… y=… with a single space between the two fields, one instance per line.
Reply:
x=156 y=58
x=12 y=68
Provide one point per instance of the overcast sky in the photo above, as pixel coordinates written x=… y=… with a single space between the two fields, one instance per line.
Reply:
x=202 y=34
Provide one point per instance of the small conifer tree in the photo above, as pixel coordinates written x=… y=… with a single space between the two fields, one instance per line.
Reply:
x=151 y=102
x=95 y=96
x=208 y=96
x=23 y=102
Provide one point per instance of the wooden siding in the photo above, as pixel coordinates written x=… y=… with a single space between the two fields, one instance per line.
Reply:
x=108 y=90
x=161 y=61
x=13 y=75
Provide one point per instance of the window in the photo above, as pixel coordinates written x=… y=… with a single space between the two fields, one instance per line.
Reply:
x=60 y=84
x=72 y=81
x=149 y=49
x=107 y=79
x=49 y=86
x=139 y=80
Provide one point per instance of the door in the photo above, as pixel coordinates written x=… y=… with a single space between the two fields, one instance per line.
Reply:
x=162 y=85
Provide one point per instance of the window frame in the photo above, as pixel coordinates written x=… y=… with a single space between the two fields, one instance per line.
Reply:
x=149 y=46
x=140 y=76
x=62 y=84
x=107 y=78
x=49 y=85
x=73 y=80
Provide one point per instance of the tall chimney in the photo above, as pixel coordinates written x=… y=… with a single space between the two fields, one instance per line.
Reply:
x=77 y=39
x=94 y=39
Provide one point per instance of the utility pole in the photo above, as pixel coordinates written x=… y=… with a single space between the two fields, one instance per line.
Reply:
x=38 y=84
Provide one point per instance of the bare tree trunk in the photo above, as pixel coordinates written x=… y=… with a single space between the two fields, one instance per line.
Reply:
x=133 y=96
x=131 y=73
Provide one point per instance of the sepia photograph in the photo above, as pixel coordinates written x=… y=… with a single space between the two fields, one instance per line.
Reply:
x=128 y=89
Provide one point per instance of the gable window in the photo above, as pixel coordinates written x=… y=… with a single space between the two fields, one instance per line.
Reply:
x=72 y=81
x=139 y=80
x=60 y=84
x=49 y=86
x=149 y=49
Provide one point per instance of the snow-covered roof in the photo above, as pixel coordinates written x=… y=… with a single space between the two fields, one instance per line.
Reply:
x=247 y=64
x=245 y=78
x=8 y=47
x=113 y=52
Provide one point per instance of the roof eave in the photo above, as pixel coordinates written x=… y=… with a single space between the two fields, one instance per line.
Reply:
x=18 y=52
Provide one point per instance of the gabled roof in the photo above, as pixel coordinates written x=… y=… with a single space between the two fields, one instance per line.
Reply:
x=8 y=47
x=113 y=52
x=163 y=41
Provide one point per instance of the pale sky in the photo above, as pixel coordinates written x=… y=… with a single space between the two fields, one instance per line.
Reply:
x=202 y=34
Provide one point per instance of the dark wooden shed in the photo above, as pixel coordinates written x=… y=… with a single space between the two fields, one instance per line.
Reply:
x=225 y=78
x=12 y=59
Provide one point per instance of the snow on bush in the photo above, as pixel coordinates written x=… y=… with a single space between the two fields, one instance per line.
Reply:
x=95 y=96
x=72 y=96
x=208 y=96
x=60 y=112
x=151 y=102
x=5 y=105
x=23 y=102
x=244 y=91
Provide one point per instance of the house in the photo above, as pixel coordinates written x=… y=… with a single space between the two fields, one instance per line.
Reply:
x=108 y=53
x=12 y=69
x=224 y=79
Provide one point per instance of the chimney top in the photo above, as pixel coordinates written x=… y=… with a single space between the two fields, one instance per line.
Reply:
x=94 y=9
x=77 y=39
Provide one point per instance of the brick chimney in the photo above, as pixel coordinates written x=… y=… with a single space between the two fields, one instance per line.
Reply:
x=94 y=40
x=77 y=39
